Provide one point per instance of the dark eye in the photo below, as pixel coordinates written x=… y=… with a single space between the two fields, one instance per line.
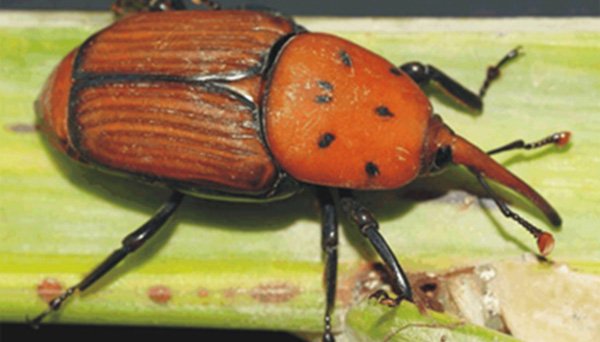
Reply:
x=443 y=157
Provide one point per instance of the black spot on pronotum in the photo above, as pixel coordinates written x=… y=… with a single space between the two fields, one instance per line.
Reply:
x=384 y=111
x=325 y=85
x=396 y=71
x=323 y=99
x=371 y=169
x=345 y=58
x=326 y=139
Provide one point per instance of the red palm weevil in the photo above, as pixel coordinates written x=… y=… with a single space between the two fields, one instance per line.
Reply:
x=241 y=105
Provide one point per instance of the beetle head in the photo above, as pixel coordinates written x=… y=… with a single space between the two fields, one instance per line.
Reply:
x=442 y=147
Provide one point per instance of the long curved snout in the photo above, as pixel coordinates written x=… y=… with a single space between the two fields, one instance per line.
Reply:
x=440 y=138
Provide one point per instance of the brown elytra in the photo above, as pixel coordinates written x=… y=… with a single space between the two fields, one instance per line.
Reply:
x=174 y=99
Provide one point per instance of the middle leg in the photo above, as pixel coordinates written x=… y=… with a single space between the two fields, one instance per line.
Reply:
x=369 y=227
x=329 y=245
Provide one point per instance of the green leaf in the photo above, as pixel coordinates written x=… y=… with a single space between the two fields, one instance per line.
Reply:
x=370 y=321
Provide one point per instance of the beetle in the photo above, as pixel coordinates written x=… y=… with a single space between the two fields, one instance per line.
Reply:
x=246 y=105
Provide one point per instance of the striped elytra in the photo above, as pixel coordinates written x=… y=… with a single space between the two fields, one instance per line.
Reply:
x=192 y=133
x=193 y=44
x=172 y=97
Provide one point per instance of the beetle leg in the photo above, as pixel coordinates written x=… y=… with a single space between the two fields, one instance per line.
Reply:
x=493 y=71
x=559 y=138
x=329 y=245
x=369 y=227
x=424 y=73
x=130 y=244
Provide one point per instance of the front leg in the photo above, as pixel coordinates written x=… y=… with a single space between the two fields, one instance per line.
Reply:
x=558 y=138
x=369 y=227
x=424 y=73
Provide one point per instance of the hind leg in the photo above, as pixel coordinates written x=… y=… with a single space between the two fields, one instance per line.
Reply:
x=130 y=244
